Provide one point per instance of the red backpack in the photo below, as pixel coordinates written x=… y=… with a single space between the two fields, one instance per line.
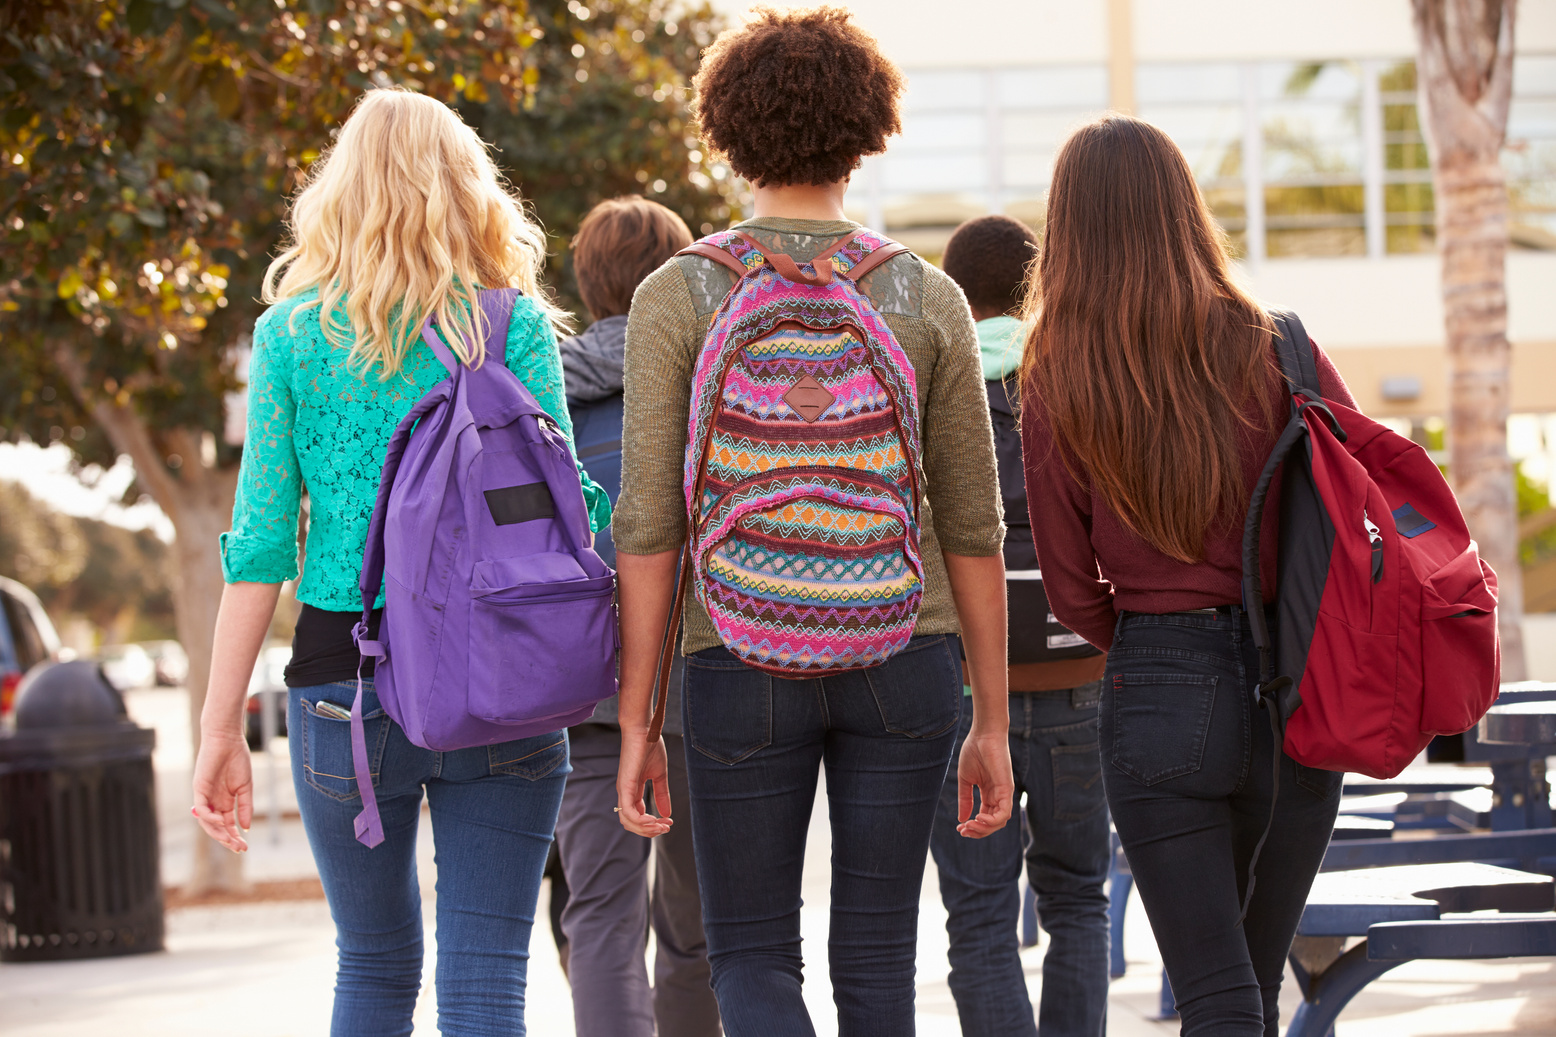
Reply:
x=1386 y=625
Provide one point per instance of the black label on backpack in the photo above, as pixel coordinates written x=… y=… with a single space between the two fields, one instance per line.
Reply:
x=520 y=503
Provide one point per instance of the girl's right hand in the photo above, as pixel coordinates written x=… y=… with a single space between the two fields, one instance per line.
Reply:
x=641 y=764
x=224 y=789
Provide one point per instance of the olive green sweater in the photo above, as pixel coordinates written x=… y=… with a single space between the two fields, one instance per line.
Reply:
x=925 y=310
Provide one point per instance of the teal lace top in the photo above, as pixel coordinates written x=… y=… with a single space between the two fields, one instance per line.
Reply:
x=314 y=424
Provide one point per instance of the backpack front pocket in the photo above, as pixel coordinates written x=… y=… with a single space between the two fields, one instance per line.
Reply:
x=545 y=649
x=805 y=575
x=1460 y=660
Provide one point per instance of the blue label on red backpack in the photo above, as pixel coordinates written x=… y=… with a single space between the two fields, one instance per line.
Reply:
x=1411 y=523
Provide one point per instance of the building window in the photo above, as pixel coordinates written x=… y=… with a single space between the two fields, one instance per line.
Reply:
x=973 y=141
x=1314 y=198
x=1202 y=108
x=1407 y=170
x=1318 y=158
x=1530 y=155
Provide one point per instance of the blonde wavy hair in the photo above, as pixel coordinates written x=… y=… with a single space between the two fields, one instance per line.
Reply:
x=406 y=216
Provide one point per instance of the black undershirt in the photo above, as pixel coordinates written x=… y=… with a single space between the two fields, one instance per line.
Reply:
x=323 y=650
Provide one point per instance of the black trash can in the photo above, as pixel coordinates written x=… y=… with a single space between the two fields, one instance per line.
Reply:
x=79 y=867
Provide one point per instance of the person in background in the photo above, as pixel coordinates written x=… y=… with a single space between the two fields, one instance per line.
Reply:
x=610 y=905
x=1055 y=682
x=1151 y=399
x=405 y=216
x=795 y=98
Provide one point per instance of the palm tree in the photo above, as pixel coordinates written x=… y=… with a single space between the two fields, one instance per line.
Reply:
x=1464 y=73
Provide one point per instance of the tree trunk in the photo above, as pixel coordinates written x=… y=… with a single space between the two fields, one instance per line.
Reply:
x=1464 y=75
x=1472 y=234
x=201 y=516
x=198 y=501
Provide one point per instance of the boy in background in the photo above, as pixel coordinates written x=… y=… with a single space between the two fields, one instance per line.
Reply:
x=1055 y=685
x=610 y=905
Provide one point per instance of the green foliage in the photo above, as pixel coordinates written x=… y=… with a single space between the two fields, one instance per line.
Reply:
x=147 y=148
x=93 y=569
x=1534 y=498
x=609 y=117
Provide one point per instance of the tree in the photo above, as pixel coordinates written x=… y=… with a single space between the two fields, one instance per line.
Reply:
x=113 y=577
x=1464 y=72
x=146 y=151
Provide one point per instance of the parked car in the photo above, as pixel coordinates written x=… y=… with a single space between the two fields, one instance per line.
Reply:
x=171 y=663
x=27 y=638
x=128 y=667
x=267 y=685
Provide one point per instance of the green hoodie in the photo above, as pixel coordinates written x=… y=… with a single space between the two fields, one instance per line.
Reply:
x=999 y=340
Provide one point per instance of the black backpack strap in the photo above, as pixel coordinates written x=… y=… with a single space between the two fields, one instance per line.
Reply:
x=1294 y=350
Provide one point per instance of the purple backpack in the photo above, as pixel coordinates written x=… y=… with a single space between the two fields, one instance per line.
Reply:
x=499 y=619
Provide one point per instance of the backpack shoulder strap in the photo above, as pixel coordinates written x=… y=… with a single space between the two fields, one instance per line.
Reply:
x=882 y=250
x=1294 y=350
x=852 y=256
x=497 y=304
x=708 y=250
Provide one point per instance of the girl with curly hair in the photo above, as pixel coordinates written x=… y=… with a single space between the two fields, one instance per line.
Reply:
x=794 y=100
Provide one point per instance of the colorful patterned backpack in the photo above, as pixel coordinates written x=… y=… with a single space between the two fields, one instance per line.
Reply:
x=803 y=471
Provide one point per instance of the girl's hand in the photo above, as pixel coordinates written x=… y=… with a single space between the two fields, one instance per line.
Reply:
x=224 y=790
x=641 y=764
x=984 y=765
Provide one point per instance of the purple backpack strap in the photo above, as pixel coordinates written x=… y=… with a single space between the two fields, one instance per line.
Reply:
x=498 y=307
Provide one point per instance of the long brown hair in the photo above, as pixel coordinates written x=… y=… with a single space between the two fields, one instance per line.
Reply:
x=1144 y=351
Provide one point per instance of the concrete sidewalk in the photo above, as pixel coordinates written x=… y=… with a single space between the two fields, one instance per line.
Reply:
x=266 y=969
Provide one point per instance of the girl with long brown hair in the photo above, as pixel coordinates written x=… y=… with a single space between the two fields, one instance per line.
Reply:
x=1151 y=400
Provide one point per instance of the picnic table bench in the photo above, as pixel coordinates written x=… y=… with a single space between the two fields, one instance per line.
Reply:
x=1397 y=906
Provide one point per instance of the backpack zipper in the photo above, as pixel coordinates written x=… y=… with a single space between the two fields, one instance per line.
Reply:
x=1376 y=539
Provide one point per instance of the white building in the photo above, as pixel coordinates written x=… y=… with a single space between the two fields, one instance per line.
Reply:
x=1300 y=121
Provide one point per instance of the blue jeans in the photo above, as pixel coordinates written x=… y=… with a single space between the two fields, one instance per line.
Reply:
x=755 y=745
x=1187 y=760
x=493 y=812
x=1053 y=750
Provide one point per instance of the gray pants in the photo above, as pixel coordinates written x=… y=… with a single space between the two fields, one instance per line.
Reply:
x=610 y=905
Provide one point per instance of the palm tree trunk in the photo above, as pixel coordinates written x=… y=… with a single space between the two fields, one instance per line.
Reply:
x=1464 y=76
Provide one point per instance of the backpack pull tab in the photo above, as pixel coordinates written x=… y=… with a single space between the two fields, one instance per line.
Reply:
x=1375 y=537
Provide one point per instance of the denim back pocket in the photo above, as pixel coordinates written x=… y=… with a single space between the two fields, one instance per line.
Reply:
x=729 y=706
x=326 y=735
x=919 y=690
x=531 y=758
x=1158 y=722
x=1077 y=778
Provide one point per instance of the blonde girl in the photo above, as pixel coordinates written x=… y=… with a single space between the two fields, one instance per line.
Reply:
x=405 y=217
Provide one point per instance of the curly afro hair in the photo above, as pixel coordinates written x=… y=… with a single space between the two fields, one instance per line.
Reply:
x=797 y=96
x=988 y=257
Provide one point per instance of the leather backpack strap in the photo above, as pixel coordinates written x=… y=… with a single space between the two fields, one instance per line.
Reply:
x=890 y=250
x=670 y=643
x=788 y=269
x=718 y=255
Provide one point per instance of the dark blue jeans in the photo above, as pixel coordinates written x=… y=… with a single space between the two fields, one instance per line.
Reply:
x=755 y=745
x=1187 y=761
x=1053 y=750
x=493 y=812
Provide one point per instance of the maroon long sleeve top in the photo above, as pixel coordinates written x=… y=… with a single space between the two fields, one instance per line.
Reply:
x=1094 y=566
